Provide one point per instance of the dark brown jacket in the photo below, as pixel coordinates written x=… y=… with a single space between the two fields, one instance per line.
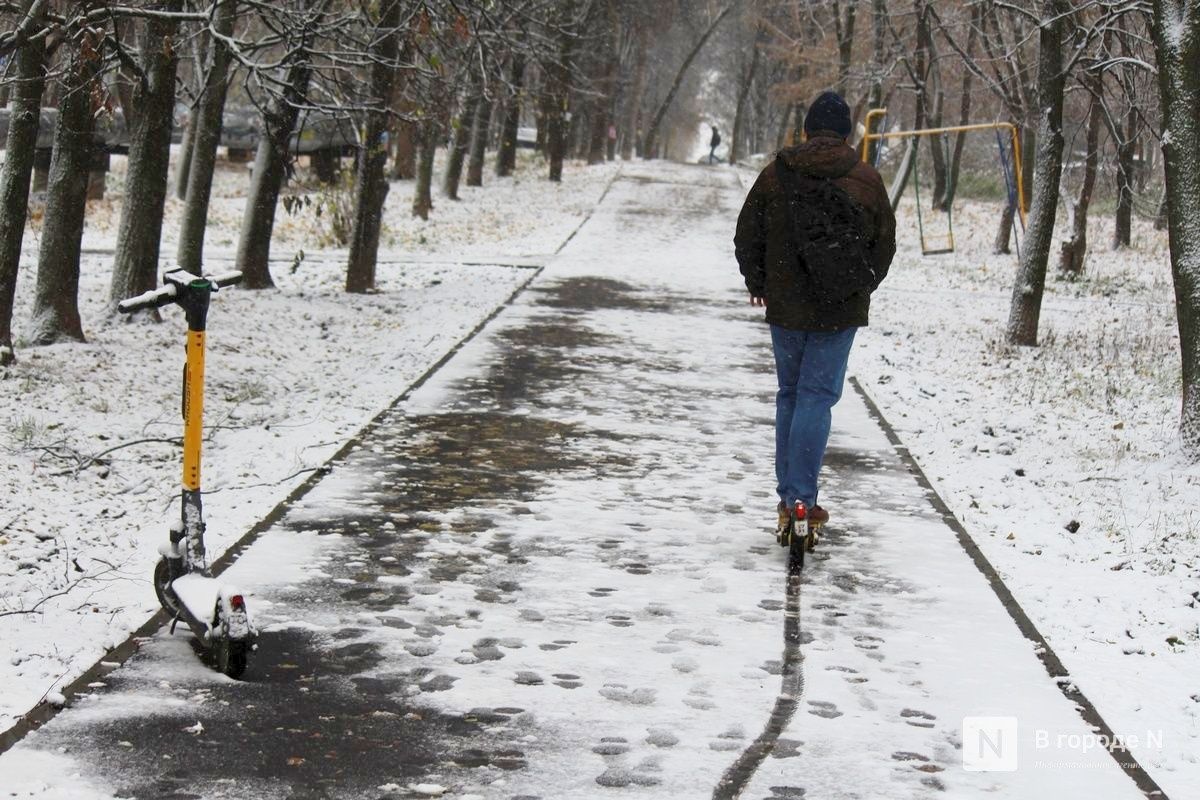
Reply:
x=763 y=242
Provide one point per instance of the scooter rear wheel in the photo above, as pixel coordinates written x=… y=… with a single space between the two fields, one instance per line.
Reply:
x=232 y=657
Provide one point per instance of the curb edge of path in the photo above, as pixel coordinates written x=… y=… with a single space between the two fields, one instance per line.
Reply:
x=1045 y=653
x=113 y=659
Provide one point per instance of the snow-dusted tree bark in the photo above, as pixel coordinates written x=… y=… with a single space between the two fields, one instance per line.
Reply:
x=29 y=78
x=1074 y=249
x=506 y=155
x=462 y=142
x=56 y=297
x=206 y=137
x=428 y=134
x=370 y=185
x=135 y=262
x=479 y=140
x=633 y=102
x=650 y=144
x=1176 y=29
x=270 y=168
x=1026 y=307
x=1126 y=147
x=747 y=81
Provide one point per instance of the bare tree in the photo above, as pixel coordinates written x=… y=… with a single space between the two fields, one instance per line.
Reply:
x=29 y=76
x=56 y=297
x=1051 y=82
x=371 y=187
x=1176 y=30
x=135 y=262
x=206 y=137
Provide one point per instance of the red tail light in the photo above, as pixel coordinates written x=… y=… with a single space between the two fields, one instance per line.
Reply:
x=237 y=603
x=801 y=510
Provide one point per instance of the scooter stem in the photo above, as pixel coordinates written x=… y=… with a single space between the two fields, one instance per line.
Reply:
x=193 y=295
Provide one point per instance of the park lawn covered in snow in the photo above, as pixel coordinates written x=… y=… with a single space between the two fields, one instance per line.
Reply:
x=1063 y=461
x=292 y=374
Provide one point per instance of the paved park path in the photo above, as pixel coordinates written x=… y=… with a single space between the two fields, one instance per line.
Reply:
x=548 y=573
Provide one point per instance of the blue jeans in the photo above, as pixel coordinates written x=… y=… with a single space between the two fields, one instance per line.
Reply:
x=811 y=368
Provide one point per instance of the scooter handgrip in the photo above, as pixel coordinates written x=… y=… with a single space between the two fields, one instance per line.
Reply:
x=156 y=298
x=226 y=279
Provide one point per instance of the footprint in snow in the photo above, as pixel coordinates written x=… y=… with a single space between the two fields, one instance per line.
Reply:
x=567 y=680
x=787 y=793
x=619 y=620
x=685 y=664
x=528 y=678
x=786 y=748
x=619 y=693
x=728 y=741
x=699 y=699
x=661 y=737
x=557 y=644
x=918 y=719
x=601 y=591
x=611 y=746
x=821 y=708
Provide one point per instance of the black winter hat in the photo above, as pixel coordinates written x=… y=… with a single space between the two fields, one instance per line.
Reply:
x=828 y=112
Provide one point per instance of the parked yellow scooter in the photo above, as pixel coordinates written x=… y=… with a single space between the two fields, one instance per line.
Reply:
x=216 y=614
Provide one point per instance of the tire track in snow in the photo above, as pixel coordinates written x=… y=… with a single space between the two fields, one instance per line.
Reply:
x=738 y=776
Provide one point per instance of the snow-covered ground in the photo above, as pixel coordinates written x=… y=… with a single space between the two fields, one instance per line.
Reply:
x=1062 y=461
x=88 y=470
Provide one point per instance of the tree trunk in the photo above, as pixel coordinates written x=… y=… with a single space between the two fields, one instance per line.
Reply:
x=506 y=157
x=845 y=40
x=1176 y=30
x=633 y=105
x=1074 y=249
x=461 y=144
x=270 y=169
x=29 y=77
x=206 y=137
x=602 y=105
x=735 y=138
x=422 y=193
x=404 y=167
x=665 y=106
x=56 y=298
x=1031 y=275
x=370 y=185
x=183 y=170
x=135 y=263
x=1123 y=229
x=479 y=141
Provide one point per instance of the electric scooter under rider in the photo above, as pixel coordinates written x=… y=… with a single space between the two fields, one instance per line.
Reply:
x=216 y=614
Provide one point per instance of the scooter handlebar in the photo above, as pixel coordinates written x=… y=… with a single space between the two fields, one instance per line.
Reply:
x=225 y=279
x=156 y=298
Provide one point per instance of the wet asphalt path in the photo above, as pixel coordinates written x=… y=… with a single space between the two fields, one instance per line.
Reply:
x=547 y=575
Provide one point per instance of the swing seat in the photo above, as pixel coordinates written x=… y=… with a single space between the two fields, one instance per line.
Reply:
x=947 y=246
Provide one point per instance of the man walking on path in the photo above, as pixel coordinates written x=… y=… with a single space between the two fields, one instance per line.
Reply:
x=713 y=143
x=815 y=237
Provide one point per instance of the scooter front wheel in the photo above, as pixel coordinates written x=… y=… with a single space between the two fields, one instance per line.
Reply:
x=162 y=586
x=232 y=656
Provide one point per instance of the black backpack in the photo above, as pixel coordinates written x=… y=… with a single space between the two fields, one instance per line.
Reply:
x=829 y=233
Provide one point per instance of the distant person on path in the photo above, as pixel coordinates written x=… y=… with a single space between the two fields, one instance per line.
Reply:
x=713 y=143
x=814 y=239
